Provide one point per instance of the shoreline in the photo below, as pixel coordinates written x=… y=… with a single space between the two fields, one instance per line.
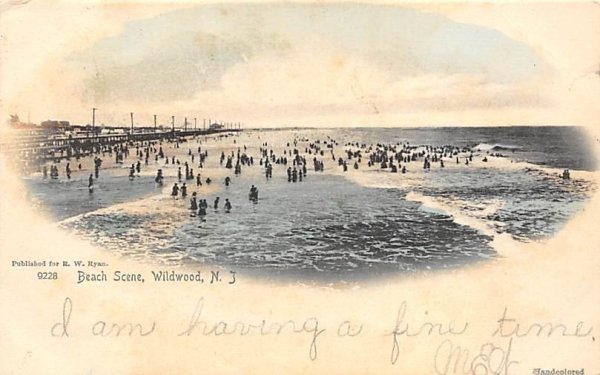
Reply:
x=373 y=177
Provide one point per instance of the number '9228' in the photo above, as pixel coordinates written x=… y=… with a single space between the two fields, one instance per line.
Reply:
x=47 y=275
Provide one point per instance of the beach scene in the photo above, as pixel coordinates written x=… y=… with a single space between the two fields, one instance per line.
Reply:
x=321 y=203
x=299 y=187
x=229 y=139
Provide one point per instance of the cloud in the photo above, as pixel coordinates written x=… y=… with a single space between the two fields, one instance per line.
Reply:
x=331 y=80
x=171 y=55
x=287 y=63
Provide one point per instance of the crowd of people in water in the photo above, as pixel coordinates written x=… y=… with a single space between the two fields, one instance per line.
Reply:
x=292 y=160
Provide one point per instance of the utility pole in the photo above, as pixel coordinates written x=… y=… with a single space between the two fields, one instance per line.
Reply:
x=173 y=123
x=131 y=113
x=194 y=123
x=93 y=121
x=155 y=123
x=185 y=124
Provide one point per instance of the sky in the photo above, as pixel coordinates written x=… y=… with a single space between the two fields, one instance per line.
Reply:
x=302 y=64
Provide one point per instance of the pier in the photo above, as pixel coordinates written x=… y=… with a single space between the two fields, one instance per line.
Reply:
x=37 y=145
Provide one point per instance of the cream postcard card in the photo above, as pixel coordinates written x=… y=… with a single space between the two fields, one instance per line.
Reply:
x=299 y=188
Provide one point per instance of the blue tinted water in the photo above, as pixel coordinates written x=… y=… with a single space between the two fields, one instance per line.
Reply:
x=330 y=226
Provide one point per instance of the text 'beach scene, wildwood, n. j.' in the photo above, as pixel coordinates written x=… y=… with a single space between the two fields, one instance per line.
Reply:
x=309 y=142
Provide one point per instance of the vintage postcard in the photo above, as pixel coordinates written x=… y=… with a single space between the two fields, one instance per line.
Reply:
x=299 y=188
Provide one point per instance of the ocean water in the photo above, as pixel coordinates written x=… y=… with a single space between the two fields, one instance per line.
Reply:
x=334 y=224
x=553 y=146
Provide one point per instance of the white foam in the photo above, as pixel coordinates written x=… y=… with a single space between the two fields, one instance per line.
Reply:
x=139 y=205
x=502 y=243
x=495 y=146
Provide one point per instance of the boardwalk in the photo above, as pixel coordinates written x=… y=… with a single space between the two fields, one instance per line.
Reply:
x=40 y=145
